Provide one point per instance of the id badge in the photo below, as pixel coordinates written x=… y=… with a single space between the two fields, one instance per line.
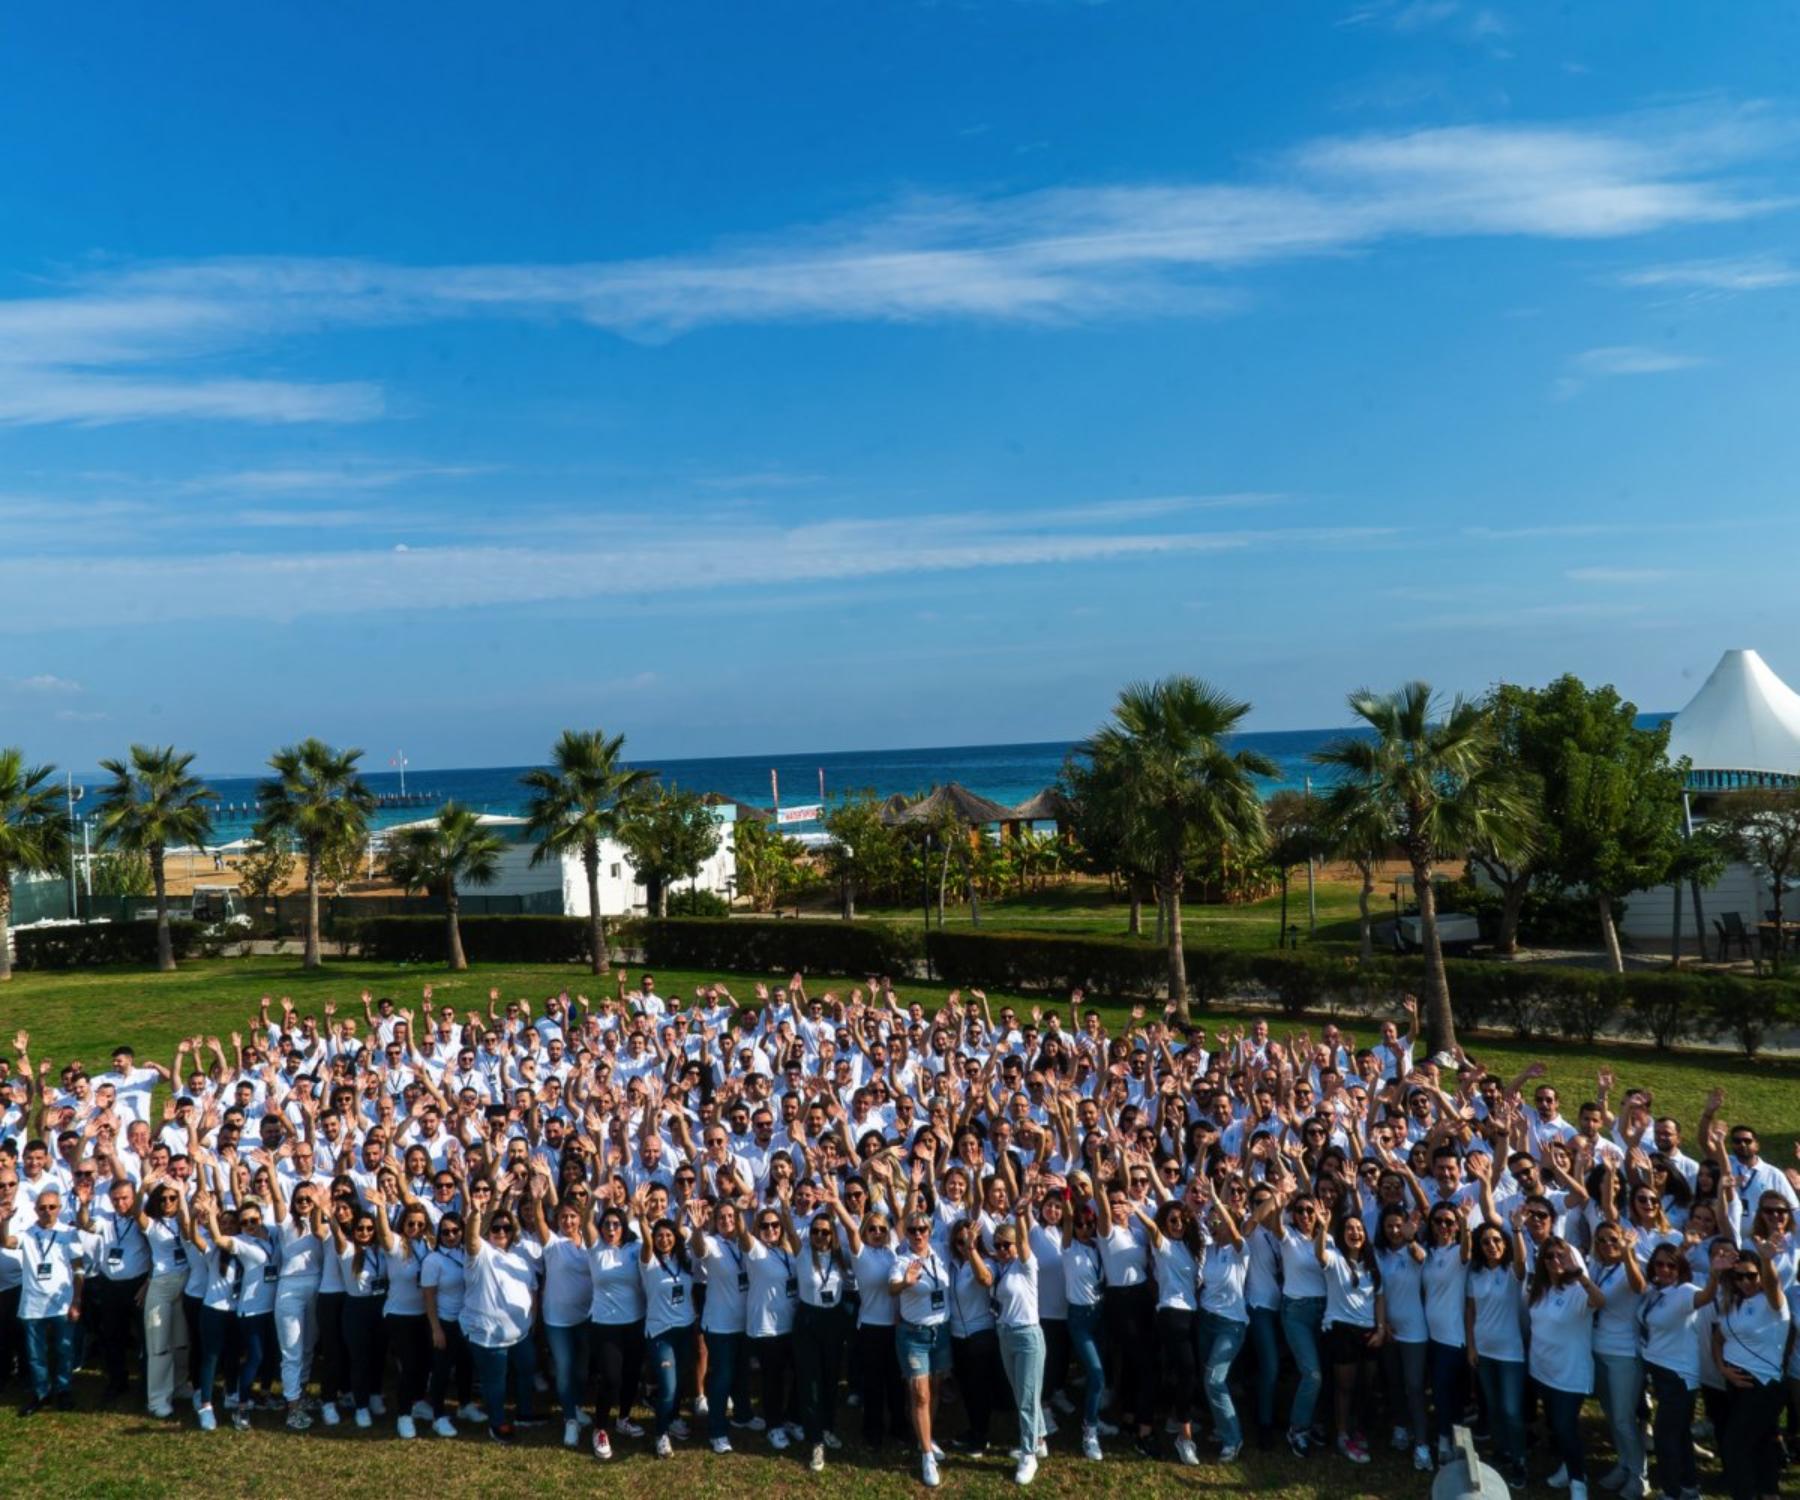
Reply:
x=180 y=1255
x=44 y=1269
x=743 y=1281
x=937 y=1299
x=378 y=1287
x=677 y=1294
x=115 y=1259
x=793 y=1286
x=827 y=1296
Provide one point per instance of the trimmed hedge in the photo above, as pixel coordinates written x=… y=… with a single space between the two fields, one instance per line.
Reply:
x=1040 y=961
x=493 y=940
x=94 y=943
x=771 y=945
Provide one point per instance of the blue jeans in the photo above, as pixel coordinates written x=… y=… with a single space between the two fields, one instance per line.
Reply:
x=1563 y=1408
x=1619 y=1383
x=215 y=1333
x=1265 y=1339
x=49 y=1341
x=1084 y=1339
x=569 y=1359
x=1674 y=1432
x=671 y=1355
x=1022 y=1357
x=727 y=1381
x=1300 y=1320
x=1220 y=1339
x=1503 y=1388
x=495 y=1368
x=256 y=1334
x=1449 y=1364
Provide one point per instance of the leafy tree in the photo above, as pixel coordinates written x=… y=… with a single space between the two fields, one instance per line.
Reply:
x=315 y=797
x=866 y=853
x=343 y=859
x=769 y=866
x=1180 y=785
x=118 y=873
x=670 y=834
x=1763 y=829
x=453 y=851
x=1611 y=802
x=152 y=804
x=574 y=808
x=1356 y=829
x=1435 y=778
x=34 y=833
x=266 y=866
x=1293 y=838
x=1103 y=821
x=1512 y=866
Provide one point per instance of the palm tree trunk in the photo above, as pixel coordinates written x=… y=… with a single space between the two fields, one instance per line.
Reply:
x=1162 y=915
x=1136 y=927
x=661 y=895
x=974 y=895
x=1281 y=934
x=1365 y=934
x=453 y=930
x=849 y=902
x=310 y=958
x=1780 y=880
x=1439 y=1022
x=598 y=958
x=1512 y=904
x=165 y=942
x=1609 y=934
x=943 y=882
x=5 y=922
x=1178 y=990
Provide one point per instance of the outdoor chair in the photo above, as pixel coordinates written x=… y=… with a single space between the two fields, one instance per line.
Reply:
x=1731 y=930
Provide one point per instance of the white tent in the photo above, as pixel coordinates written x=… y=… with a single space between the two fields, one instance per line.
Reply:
x=1742 y=728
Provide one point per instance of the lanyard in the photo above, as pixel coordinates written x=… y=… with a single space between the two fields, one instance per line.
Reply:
x=43 y=1250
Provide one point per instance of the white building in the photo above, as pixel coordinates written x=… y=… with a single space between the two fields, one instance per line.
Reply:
x=621 y=893
x=1741 y=730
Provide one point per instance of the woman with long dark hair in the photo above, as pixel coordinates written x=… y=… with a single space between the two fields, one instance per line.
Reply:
x=1561 y=1305
x=1084 y=1283
x=1175 y=1251
x=162 y=1215
x=1404 y=1352
x=1494 y=1337
x=821 y=1326
x=615 y=1325
x=667 y=1273
x=499 y=1298
x=1750 y=1340
x=714 y=1245
x=441 y=1284
x=1354 y=1324
x=1669 y=1340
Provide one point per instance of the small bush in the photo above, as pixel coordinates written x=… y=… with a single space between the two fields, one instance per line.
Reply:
x=773 y=946
x=94 y=943
x=1114 y=967
x=698 y=903
x=493 y=940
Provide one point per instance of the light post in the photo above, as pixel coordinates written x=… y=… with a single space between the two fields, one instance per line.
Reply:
x=76 y=793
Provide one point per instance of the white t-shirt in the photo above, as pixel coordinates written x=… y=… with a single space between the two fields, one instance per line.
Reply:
x=1499 y=1300
x=48 y=1261
x=1562 y=1339
x=618 y=1289
x=405 y=1263
x=1668 y=1332
x=1015 y=1293
x=1446 y=1278
x=874 y=1265
x=445 y=1272
x=497 y=1291
x=1301 y=1273
x=568 y=1283
x=668 y=1294
x=774 y=1291
x=1403 y=1289
x=727 y=1272
x=1177 y=1276
x=1349 y=1290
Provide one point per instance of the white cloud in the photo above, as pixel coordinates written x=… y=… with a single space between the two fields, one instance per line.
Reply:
x=1619 y=575
x=100 y=348
x=1758 y=273
x=45 y=682
x=51 y=592
x=1621 y=359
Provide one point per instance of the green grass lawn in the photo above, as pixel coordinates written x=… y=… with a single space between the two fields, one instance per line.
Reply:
x=121 y=1452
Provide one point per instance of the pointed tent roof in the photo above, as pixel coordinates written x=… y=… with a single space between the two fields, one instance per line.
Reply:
x=1744 y=722
x=960 y=803
x=1048 y=806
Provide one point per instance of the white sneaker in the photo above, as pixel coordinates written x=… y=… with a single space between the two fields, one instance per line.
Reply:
x=629 y=1428
x=721 y=1445
x=421 y=1411
x=1229 y=1453
x=700 y=1406
x=377 y=1407
x=1063 y=1404
x=602 y=1444
x=1090 y=1445
x=1027 y=1470
x=678 y=1429
x=664 y=1448
x=1560 y=1479
x=472 y=1411
x=750 y=1424
x=208 y=1422
x=1187 y=1453
x=778 y=1438
x=1042 y=1450
x=832 y=1440
x=928 y=1471
x=817 y=1462
x=571 y=1433
x=444 y=1427
x=1106 y=1429
x=1422 y=1459
x=583 y=1417
x=162 y=1411
x=329 y=1411
x=363 y=1417
x=406 y=1427
x=1578 y=1489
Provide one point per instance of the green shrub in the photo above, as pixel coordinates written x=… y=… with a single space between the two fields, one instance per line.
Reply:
x=494 y=940
x=1662 y=1006
x=775 y=946
x=93 y=943
x=1114 y=967
x=698 y=903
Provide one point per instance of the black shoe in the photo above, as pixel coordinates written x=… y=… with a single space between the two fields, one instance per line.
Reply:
x=64 y=1401
x=503 y=1433
x=1146 y=1445
x=32 y=1407
x=970 y=1444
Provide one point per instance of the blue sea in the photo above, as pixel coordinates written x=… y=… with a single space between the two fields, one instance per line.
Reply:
x=1006 y=773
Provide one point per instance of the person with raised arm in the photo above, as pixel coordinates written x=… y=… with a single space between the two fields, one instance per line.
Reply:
x=667 y=1273
x=500 y=1281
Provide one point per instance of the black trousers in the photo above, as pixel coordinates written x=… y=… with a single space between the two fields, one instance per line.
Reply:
x=1748 y=1447
x=12 y=1342
x=1179 y=1361
x=364 y=1346
x=980 y=1378
x=819 y=1335
x=1056 y=1355
x=334 y=1367
x=884 y=1406
x=450 y=1366
x=1128 y=1313
x=409 y=1336
x=775 y=1357
x=617 y=1350
x=118 y=1328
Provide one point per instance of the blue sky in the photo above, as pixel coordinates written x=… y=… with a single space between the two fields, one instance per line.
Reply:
x=810 y=375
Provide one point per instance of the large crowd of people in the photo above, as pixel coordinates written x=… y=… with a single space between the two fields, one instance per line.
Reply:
x=755 y=1220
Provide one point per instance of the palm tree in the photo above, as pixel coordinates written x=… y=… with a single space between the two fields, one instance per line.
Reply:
x=443 y=856
x=1357 y=830
x=1435 y=778
x=574 y=808
x=34 y=832
x=315 y=797
x=1183 y=784
x=152 y=803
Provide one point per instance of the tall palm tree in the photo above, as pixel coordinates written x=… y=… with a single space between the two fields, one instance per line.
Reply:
x=1358 y=830
x=1184 y=785
x=574 y=808
x=315 y=796
x=34 y=832
x=1435 y=776
x=152 y=803
x=442 y=857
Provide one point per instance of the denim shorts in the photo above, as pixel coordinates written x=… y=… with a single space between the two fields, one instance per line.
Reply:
x=924 y=1349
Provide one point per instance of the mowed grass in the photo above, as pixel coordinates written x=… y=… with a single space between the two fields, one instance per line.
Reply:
x=120 y=1451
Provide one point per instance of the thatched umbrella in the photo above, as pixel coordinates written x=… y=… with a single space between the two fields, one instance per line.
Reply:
x=954 y=803
x=745 y=812
x=1048 y=806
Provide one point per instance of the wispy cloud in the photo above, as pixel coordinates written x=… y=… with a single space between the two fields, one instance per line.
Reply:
x=108 y=347
x=48 y=592
x=44 y=682
x=1755 y=273
x=1621 y=359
